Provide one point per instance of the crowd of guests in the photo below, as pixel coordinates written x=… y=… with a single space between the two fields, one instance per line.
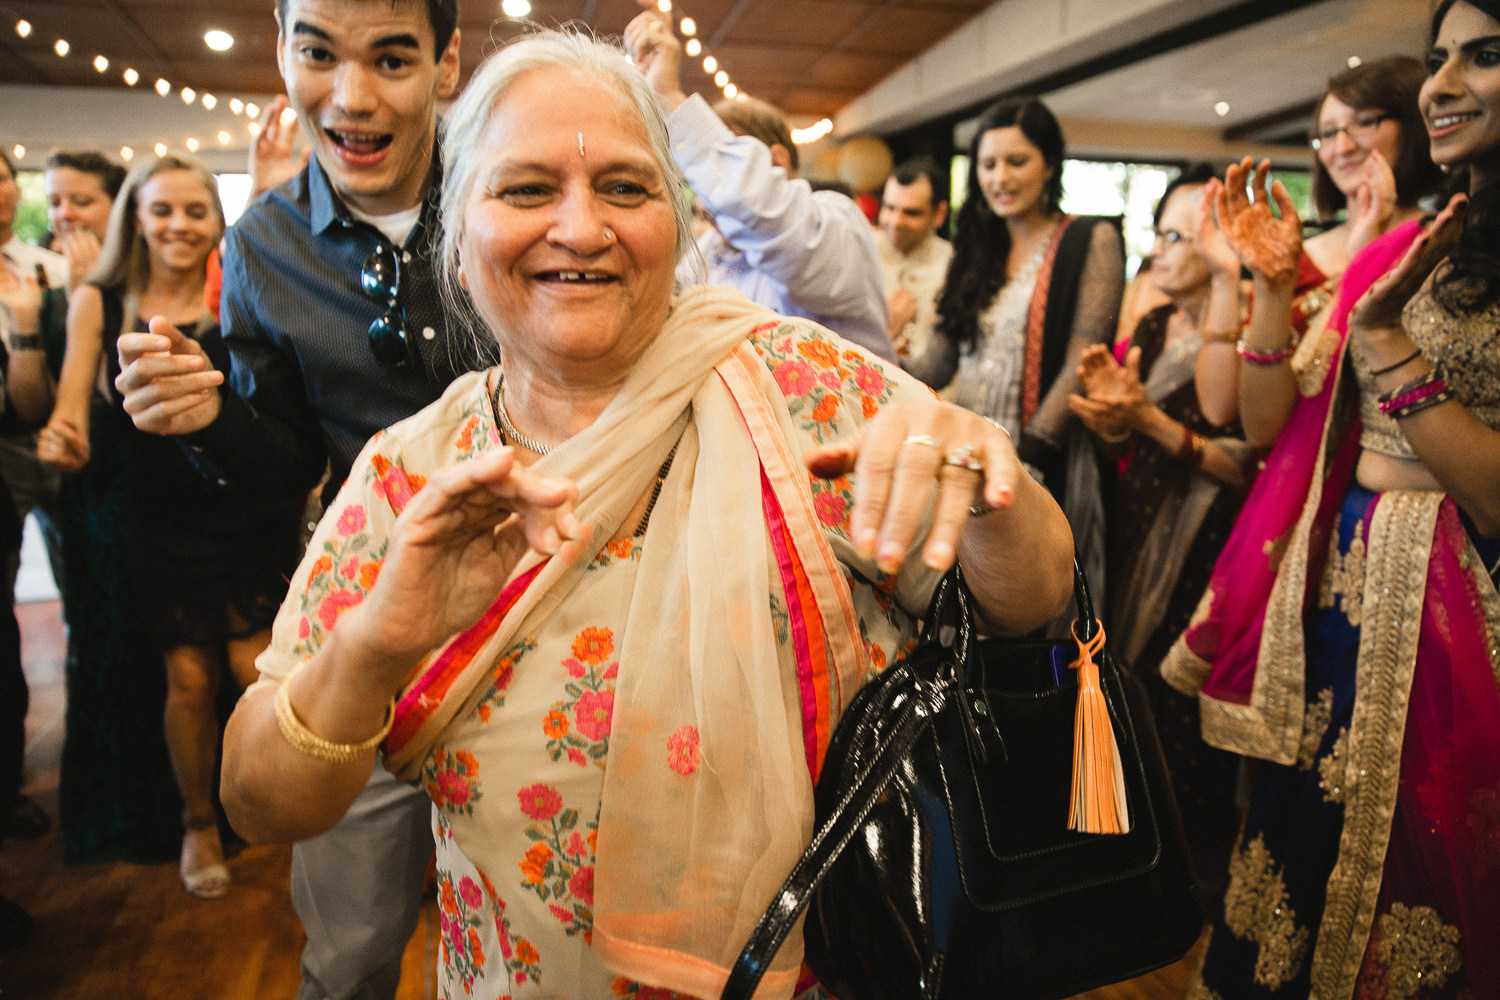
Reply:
x=551 y=408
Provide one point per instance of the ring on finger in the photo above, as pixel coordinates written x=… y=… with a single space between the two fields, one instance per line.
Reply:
x=925 y=440
x=963 y=458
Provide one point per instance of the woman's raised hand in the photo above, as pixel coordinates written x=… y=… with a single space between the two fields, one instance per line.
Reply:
x=62 y=444
x=81 y=249
x=1374 y=202
x=1380 y=307
x=453 y=547
x=1269 y=246
x=21 y=296
x=903 y=451
x=1209 y=237
x=1116 y=402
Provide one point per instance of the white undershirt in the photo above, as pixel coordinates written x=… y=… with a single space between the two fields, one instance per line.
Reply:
x=397 y=226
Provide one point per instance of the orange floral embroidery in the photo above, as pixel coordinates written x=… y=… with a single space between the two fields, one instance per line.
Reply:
x=819 y=352
x=594 y=645
x=534 y=865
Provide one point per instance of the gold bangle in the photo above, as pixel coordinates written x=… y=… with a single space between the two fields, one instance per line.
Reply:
x=305 y=741
x=1220 y=336
x=1119 y=438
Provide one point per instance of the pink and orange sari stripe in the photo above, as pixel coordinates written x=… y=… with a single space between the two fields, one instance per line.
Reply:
x=438 y=674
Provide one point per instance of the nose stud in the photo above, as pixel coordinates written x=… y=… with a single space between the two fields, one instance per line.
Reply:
x=609 y=234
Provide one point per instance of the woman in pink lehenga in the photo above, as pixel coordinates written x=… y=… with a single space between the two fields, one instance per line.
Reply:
x=1351 y=634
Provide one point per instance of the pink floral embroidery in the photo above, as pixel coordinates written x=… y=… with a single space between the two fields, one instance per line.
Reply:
x=468 y=891
x=350 y=567
x=304 y=628
x=351 y=520
x=560 y=876
x=831 y=508
x=869 y=379
x=540 y=802
x=593 y=712
x=452 y=780
x=682 y=750
x=393 y=481
x=794 y=377
x=335 y=604
x=581 y=885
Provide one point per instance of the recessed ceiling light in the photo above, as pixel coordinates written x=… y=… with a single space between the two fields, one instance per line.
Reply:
x=1353 y=61
x=219 y=41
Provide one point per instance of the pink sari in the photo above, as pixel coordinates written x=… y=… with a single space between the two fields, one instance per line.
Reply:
x=1413 y=896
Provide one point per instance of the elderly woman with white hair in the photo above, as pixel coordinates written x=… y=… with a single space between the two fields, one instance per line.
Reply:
x=606 y=601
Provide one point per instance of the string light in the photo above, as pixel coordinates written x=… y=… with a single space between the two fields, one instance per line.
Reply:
x=160 y=149
x=191 y=144
x=730 y=90
x=20 y=151
x=721 y=78
x=223 y=137
x=1221 y=109
x=253 y=110
x=209 y=101
x=664 y=5
x=688 y=26
x=101 y=64
x=710 y=64
x=236 y=105
x=61 y=47
x=163 y=87
x=188 y=95
x=127 y=154
x=23 y=28
x=515 y=8
x=693 y=47
x=130 y=76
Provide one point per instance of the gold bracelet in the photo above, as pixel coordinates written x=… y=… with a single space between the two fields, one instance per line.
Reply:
x=305 y=741
x=1119 y=438
x=1220 y=336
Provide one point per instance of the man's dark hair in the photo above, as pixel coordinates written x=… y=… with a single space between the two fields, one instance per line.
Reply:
x=441 y=14
x=912 y=170
x=111 y=175
x=1193 y=175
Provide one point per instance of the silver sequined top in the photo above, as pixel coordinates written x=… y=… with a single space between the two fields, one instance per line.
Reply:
x=1465 y=348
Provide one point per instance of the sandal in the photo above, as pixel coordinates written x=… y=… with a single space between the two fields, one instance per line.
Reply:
x=211 y=881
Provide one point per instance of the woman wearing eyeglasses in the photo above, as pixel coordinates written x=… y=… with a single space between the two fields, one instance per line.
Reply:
x=1350 y=631
x=178 y=569
x=1028 y=289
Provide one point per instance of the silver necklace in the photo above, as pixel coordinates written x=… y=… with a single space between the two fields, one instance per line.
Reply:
x=509 y=429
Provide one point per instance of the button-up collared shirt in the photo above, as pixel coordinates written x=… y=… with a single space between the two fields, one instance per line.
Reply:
x=778 y=242
x=306 y=387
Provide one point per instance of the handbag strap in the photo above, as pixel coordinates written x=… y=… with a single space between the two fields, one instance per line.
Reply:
x=844 y=820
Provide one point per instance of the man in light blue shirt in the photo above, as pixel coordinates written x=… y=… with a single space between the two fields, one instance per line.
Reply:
x=795 y=250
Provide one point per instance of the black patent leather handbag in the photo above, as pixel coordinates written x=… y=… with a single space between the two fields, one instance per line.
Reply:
x=943 y=865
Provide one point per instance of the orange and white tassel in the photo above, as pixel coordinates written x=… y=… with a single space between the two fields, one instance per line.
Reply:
x=1098 y=799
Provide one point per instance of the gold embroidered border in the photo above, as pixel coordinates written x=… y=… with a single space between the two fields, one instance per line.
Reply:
x=1489 y=601
x=1401 y=530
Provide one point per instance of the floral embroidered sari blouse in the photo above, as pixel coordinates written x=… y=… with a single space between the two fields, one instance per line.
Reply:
x=516 y=778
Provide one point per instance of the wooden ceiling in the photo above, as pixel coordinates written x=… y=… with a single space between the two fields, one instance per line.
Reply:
x=809 y=57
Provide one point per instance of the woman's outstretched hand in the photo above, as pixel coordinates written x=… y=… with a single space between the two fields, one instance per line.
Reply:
x=1209 y=236
x=452 y=548
x=1380 y=307
x=1269 y=246
x=902 y=452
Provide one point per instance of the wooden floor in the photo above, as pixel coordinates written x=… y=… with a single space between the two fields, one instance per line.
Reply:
x=129 y=932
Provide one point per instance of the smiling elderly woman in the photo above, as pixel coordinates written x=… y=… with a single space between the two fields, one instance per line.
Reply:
x=620 y=588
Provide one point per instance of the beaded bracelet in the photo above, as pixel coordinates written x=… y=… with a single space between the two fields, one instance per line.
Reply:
x=1258 y=357
x=1426 y=384
x=305 y=741
x=1431 y=399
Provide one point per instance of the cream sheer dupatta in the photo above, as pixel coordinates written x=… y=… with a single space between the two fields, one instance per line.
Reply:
x=689 y=857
